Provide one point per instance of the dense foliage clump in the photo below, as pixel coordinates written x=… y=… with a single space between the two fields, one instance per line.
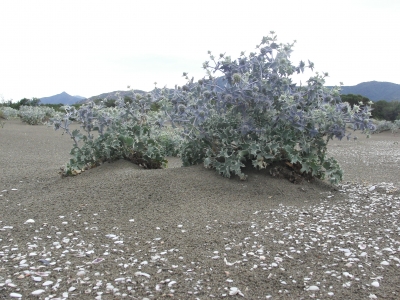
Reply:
x=244 y=111
x=110 y=133
x=8 y=112
x=35 y=115
x=248 y=110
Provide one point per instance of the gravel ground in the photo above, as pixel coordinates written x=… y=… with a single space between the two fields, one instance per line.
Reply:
x=119 y=231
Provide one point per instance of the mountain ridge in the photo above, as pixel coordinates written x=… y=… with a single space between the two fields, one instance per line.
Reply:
x=63 y=98
x=373 y=90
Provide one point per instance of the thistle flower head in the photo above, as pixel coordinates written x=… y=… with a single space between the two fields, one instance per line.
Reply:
x=236 y=78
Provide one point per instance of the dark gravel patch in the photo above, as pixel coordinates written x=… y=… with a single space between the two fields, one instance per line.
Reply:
x=121 y=231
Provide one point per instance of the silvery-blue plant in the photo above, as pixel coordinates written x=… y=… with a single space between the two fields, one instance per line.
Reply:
x=8 y=112
x=249 y=111
x=107 y=134
x=35 y=115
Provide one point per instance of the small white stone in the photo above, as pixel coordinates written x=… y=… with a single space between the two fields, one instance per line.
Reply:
x=37 y=278
x=48 y=282
x=375 y=284
x=37 y=292
x=313 y=288
x=80 y=273
x=171 y=283
x=15 y=295
x=142 y=274
x=119 y=279
x=132 y=220
x=385 y=263
x=29 y=221
x=71 y=289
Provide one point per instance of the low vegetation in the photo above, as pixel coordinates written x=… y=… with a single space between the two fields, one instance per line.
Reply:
x=251 y=114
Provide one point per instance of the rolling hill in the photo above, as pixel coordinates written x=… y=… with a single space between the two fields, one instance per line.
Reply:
x=374 y=90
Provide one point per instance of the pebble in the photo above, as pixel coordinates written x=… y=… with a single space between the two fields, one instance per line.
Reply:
x=375 y=284
x=37 y=292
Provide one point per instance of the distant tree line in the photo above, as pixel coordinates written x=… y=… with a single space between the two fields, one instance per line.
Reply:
x=33 y=102
x=382 y=109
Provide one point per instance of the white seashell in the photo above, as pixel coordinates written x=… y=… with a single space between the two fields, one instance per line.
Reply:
x=233 y=291
x=142 y=274
x=48 y=282
x=375 y=284
x=171 y=283
x=37 y=292
x=119 y=279
x=313 y=288
x=80 y=273
x=29 y=221
x=15 y=295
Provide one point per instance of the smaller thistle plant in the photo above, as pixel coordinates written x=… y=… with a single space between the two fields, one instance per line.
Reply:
x=35 y=115
x=128 y=131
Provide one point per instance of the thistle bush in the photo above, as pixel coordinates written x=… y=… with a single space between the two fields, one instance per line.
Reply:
x=383 y=125
x=248 y=111
x=7 y=112
x=35 y=115
x=109 y=133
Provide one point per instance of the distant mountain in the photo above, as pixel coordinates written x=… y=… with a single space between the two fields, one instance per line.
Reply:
x=63 y=98
x=374 y=90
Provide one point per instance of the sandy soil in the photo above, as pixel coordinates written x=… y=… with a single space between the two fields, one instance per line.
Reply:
x=119 y=231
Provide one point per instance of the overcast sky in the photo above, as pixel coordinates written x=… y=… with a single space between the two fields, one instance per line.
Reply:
x=90 y=47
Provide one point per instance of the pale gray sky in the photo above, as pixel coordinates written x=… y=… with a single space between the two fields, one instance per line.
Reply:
x=88 y=47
